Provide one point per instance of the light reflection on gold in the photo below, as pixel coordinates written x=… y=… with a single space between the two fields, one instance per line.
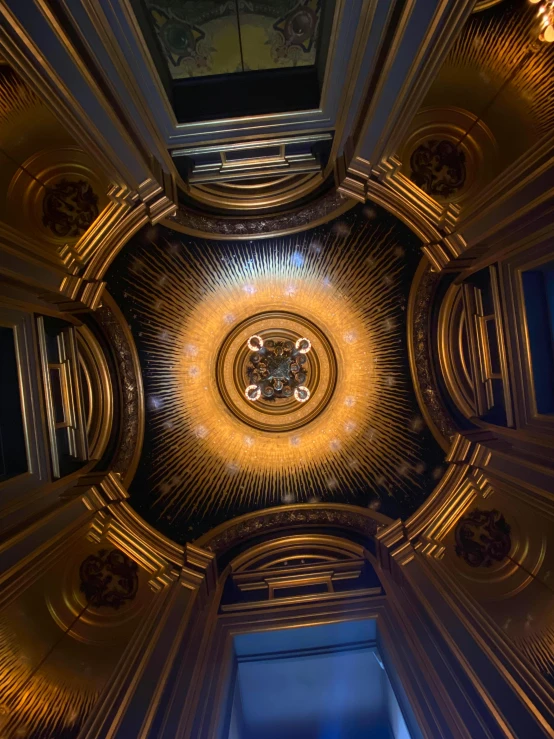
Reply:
x=51 y=698
x=15 y=98
x=488 y=50
x=191 y=298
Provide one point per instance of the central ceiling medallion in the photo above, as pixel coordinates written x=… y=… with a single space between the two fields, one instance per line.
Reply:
x=267 y=368
x=277 y=369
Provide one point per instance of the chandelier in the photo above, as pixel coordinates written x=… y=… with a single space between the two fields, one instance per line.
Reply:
x=546 y=16
x=277 y=369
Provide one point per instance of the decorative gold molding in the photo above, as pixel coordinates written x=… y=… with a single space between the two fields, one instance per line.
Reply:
x=329 y=515
x=199 y=572
x=484 y=4
x=419 y=355
x=77 y=295
x=37 y=547
x=441 y=215
x=275 y=193
x=255 y=182
x=452 y=330
x=462 y=482
x=15 y=242
x=298 y=562
x=433 y=223
x=129 y=448
x=98 y=389
x=439 y=36
x=71 y=421
x=120 y=220
x=459 y=500
x=99 y=490
x=204 y=225
x=473 y=156
x=319 y=546
x=106 y=528
x=26 y=58
x=529 y=253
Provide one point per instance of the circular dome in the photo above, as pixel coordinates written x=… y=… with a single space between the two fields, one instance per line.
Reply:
x=349 y=432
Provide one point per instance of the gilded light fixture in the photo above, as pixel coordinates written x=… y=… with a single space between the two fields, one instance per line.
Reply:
x=277 y=369
x=546 y=18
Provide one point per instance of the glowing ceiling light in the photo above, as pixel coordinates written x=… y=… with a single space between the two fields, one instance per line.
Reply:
x=303 y=345
x=252 y=392
x=546 y=19
x=277 y=369
x=301 y=394
x=255 y=343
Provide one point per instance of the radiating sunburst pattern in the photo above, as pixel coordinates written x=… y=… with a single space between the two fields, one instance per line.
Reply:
x=185 y=297
x=15 y=97
x=494 y=45
x=50 y=703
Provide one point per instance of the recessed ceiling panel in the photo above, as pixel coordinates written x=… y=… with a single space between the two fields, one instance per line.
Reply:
x=212 y=451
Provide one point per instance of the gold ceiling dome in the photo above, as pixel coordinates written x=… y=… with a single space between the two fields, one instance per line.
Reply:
x=321 y=312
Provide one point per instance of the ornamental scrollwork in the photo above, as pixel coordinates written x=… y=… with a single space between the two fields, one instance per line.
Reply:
x=129 y=383
x=280 y=520
x=323 y=209
x=69 y=208
x=482 y=537
x=108 y=578
x=438 y=167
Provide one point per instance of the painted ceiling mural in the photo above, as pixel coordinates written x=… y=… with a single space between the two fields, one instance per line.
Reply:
x=211 y=452
x=200 y=38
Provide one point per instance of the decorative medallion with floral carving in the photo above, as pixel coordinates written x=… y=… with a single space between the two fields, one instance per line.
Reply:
x=108 y=578
x=438 y=167
x=69 y=208
x=482 y=537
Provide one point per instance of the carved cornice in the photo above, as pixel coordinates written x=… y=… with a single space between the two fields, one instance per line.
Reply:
x=132 y=396
x=77 y=294
x=284 y=518
x=102 y=490
x=424 y=532
x=420 y=352
x=199 y=572
x=205 y=225
x=432 y=222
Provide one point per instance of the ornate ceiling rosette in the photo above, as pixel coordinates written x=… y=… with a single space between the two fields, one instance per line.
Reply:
x=277 y=412
x=211 y=452
x=443 y=159
x=62 y=198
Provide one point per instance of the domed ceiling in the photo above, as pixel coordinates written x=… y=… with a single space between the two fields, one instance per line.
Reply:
x=210 y=452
